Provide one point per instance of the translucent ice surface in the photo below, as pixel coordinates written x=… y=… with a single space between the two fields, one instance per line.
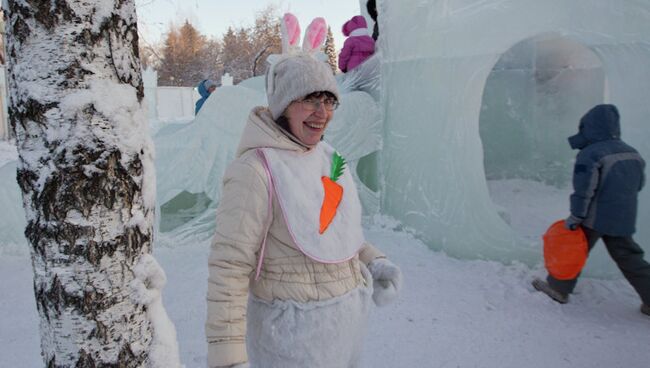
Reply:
x=475 y=90
x=456 y=127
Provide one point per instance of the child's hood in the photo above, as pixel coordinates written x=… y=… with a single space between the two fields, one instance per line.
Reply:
x=356 y=22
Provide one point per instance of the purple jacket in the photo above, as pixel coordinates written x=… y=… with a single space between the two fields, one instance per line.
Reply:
x=358 y=47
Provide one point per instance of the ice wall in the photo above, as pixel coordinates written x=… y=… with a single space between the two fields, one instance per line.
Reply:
x=437 y=58
x=192 y=157
x=535 y=93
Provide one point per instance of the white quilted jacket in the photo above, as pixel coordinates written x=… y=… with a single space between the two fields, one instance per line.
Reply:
x=286 y=274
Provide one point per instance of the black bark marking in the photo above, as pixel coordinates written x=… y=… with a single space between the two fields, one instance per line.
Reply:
x=49 y=13
x=20 y=28
x=100 y=332
x=127 y=359
x=113 y=27
x=31 y=110
x=73 y=74
x=85 y=360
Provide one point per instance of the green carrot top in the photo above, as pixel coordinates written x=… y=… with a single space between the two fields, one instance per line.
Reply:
x=338 y=165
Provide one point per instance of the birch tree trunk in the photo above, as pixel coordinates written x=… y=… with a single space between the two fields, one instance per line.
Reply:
x=86 y=175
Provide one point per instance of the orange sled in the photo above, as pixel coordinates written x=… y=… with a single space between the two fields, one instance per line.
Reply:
x=565 y=251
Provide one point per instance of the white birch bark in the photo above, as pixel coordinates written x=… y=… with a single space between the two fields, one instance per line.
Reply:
x=86 y=175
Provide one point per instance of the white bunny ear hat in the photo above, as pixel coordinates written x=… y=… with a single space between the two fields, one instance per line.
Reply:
x=295 y=77
x=295 y=73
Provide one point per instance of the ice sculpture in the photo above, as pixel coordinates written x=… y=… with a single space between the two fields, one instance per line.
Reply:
x=477 y=98
x=449 y=81
x=191 y=158
x=365 y=77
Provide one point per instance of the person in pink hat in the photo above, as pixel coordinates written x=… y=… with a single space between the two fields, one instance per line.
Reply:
x=358 y=47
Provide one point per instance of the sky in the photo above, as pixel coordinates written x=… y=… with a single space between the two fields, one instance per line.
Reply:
x=213 y=17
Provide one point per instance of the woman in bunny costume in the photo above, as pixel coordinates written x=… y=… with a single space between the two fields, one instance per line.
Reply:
x=291 y=276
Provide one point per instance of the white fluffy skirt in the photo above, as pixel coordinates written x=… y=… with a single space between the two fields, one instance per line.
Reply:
x=325 y=334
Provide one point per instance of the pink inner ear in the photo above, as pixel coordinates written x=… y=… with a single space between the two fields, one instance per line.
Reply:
x=317 y=32
x=293 y=28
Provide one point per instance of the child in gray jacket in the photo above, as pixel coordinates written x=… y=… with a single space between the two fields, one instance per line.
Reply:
x=607 y=177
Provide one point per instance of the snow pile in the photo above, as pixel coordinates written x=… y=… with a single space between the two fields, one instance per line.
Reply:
x=147 y=288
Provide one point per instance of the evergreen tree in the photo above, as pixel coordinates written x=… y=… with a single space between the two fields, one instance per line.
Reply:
x=235 y=54
x=212 y=66
x=170 y=63
x=330 y=50
x=244 y=50
x=185 y=57
x=266 y=39
x=188 y=57
x=86 y=174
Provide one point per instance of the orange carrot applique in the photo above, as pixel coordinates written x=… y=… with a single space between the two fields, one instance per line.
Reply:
x=333 y=192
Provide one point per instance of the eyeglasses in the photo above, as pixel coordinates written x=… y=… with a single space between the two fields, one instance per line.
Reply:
x=312 y=104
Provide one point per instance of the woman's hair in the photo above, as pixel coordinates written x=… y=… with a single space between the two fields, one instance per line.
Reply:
x=283 y=121
x=371 y=6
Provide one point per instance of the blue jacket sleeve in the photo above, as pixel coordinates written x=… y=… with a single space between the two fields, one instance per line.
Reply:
x=642 y=177
x=198 y=105
x=586 y=175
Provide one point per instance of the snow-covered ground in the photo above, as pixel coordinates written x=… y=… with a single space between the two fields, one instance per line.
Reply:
x=452 y=313
x=528 y=206
x=7 y=152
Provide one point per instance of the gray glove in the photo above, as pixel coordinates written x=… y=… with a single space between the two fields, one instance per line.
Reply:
x=387 y=281
x=572 y=222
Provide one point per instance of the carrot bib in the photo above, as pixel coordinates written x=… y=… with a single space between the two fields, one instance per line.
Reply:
x=298 y=184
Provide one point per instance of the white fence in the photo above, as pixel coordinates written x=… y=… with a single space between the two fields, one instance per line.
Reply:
x=168 y=103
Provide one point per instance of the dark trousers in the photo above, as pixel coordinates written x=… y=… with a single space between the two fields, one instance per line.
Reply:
x=628 y=256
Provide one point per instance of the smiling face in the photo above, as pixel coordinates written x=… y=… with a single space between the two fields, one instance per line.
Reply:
x=306 y=124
